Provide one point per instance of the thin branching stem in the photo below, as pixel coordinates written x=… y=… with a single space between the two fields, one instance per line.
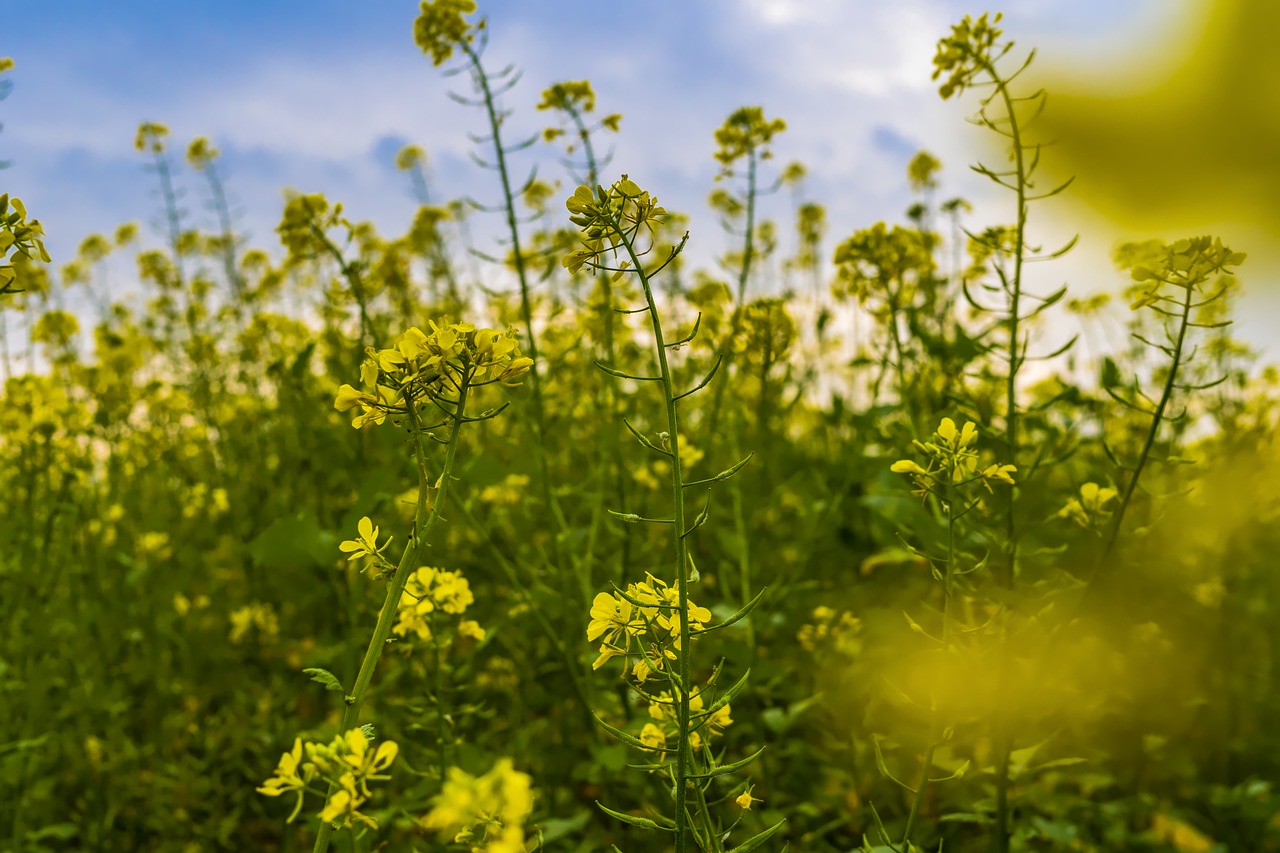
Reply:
x=684 y=756
x=427 y=516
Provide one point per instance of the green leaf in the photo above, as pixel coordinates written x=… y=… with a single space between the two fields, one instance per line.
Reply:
x=778 y=720
x=642 y=822
x=724 y=769
x=1110 y=373
x=325 y=677
x=294 y=541
x=553 y=829
x=756 y=840
x=737 y=617
x=626 y=738
x=727 y=697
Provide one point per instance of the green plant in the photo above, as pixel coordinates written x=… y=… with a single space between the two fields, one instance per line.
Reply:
x=656 y=617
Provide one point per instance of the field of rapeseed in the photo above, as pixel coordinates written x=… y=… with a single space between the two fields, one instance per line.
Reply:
x=851 y=546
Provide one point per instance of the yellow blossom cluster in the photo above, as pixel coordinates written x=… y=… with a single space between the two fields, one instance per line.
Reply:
x=430 y=591
x=953 y=461
x=348 y=764
x=442 y=26
x=643 y=623
x=840 y=632
x=1090 y=508
x=967 y=52
x=20 y=238
x=663 y=710
x=609 y=216
x=486 y=811
x=435 y=365
x=256 y=616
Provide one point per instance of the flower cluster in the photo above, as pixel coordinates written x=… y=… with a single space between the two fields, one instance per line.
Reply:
x=22 y=237
x=575 y=98
x=151 y=136
x=306 y=218
x=442 y=26
x=348 y=764
x=434 y=366
x=200 y=153
x=765 y=331
x=486 y=811
x=663 y=711
x=1184 y=265
x=968 y=51
x=429 y=591
x=953 y=462
x=870 y=259
x=744 y=132
x=840 y=632
x=1090 y=509
x=614 y=214
x=643 y=623
x=257 y=616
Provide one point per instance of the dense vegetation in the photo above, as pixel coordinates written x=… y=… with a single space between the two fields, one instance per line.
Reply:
x=624 y=555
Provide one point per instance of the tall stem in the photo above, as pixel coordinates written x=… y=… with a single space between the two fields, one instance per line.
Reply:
x=935 y=722
x=744 y=275
x=1157 y=418
x=1003 y=737
x=234 y=279
x=424 y=524
x=526 y=299
x=684 y=756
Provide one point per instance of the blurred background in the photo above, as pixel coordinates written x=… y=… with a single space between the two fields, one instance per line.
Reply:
x=1164 y=110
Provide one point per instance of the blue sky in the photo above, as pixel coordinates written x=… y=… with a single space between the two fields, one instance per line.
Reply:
x=318 y=96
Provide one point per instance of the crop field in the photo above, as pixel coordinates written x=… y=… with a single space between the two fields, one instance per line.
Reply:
x=857 y=540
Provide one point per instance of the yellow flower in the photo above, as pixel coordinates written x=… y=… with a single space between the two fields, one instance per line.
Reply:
x=286 y=778
x=366 y=545
x=1091 y=506
x=490 y=809
x=999 y=472
x=610 y=617
x=653 y=736
x=151 y=137
x=744 y=800
x=720 y=720
x=441 y=27
x=345 y=803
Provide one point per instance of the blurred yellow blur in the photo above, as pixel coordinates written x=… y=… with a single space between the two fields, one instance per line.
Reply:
x=1182 y=134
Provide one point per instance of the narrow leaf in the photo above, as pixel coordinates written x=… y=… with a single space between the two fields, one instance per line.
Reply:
x=642 y=822
x=723 y=475
x=737 y=617
x=756 y=840
x=724 y=769
x=325 y=677
x=629 y=739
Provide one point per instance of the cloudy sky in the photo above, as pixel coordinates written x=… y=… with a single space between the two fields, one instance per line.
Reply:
x=319 y=95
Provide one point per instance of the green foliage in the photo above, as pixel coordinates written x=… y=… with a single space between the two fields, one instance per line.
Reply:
x=216 y=588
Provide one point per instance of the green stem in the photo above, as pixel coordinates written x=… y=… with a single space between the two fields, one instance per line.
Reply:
x=748 y=258
x=684 y=756
x=228 y=239
x=904 y=392
x=352 y=275
x=935 y=724
x=526 y=299
x=423 y=525
x=1004 y=738
x=610 y=447
x=1157 y=418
